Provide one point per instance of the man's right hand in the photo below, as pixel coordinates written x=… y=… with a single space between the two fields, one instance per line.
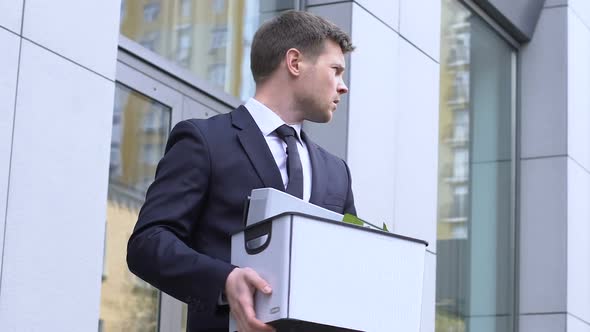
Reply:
x=240 y=286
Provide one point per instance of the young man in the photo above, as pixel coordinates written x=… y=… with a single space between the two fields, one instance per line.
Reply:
x=181 y=243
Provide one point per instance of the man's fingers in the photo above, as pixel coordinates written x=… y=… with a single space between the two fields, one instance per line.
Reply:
x=247 y=321
x=240 y=287
x=255 y=280
x=254 y=323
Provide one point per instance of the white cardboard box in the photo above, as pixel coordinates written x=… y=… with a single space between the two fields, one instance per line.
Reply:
x=331 y=276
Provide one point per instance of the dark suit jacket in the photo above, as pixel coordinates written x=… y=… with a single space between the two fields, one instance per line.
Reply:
x=181 y=243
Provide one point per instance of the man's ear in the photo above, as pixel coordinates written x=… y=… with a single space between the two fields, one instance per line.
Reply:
x=293 y=59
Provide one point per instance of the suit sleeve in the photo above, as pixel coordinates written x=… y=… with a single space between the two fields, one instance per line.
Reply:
x=349 y=204
x=157 y=250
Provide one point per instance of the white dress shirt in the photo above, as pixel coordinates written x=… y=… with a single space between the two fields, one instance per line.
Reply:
x=268 y=121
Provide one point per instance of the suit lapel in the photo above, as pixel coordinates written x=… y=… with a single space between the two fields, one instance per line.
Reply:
x=257 y=149
x=318 y=166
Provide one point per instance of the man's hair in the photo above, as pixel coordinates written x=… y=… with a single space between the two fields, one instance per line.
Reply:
x=293 y=29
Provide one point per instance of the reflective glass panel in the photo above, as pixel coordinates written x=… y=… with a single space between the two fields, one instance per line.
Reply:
x=211 y=38
x=140 y=130
x=475 y=255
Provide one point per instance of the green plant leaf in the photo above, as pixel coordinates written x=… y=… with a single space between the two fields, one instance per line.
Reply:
x=352 y=219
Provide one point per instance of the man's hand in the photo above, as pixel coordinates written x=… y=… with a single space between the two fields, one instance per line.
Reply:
x=240 y=286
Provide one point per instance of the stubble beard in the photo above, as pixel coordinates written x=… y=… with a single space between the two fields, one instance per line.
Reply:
x=315 y=111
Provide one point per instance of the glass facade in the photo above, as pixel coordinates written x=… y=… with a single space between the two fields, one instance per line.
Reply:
x=210 y=38
x=475 y=236
x=140 y=130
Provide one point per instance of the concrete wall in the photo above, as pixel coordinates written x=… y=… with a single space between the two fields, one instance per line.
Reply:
x=543 y=187
x=57 y=71
x=555 y=171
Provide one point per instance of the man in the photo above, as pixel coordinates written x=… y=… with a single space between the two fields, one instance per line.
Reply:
x=181 y=243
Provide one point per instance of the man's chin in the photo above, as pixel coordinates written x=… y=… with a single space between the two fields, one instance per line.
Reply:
x=321 y=118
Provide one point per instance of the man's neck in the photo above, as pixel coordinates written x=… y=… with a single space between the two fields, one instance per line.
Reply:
x=280 y=103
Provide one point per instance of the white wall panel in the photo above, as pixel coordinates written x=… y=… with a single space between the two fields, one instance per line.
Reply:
x=578 y=101
x=86 y=32
x=416 y=147
x=428 y=293
x=582 y=9
x=387 y=11
x=11 y=14
x=578 y=242
x=57 y=208
x=543 y=235
x=8 y=73
x=373 y=103
x=544 y=87
x=419 y=22
x=574 y=324
x=542 y=323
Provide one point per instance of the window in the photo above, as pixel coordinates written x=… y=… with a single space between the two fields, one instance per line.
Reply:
x=459 y=211
x=460 y=87
x=461 y=165
x=151 y=40
x=127 y=302
x=186 y=7
x=218 y=38
x=155 y=120
x=202 y=36
x=218 y=6
x=459 y=232
x=151 y=11
x=115 y=161
x=115 y=165
x=475 y=262
x=183 y=53
x=217 y=74
x=459 y=50
x=461 y=126
x=152 y=153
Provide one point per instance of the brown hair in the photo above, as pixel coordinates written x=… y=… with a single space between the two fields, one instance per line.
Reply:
x=293 y=29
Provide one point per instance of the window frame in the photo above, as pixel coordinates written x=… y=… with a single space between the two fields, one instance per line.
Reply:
x=515 y=132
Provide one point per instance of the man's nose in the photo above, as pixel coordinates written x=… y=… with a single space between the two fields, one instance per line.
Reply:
x=342 y=88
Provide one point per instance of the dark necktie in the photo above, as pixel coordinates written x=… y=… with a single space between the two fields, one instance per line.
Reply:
x=294 y=169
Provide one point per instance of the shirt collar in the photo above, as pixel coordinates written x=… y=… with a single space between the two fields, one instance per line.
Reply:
x=266 y=119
